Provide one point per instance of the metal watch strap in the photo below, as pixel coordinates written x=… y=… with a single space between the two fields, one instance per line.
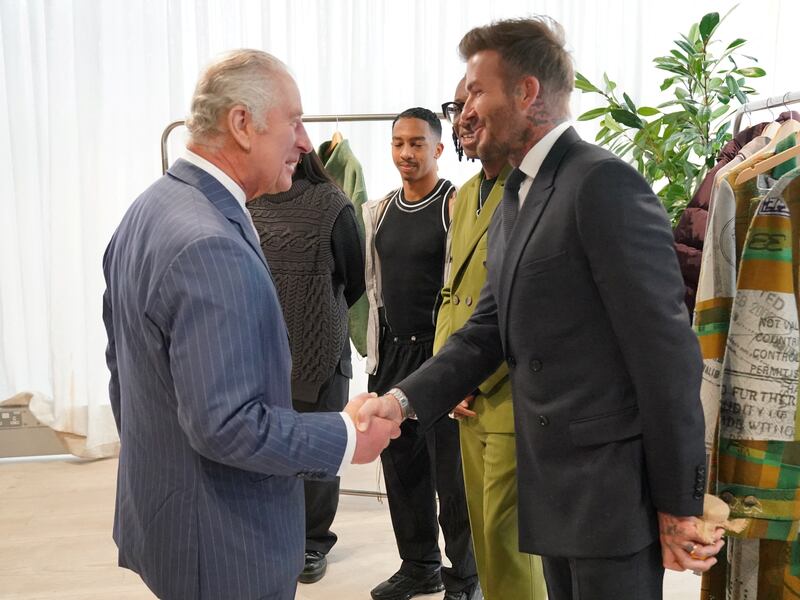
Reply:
x=406 y=410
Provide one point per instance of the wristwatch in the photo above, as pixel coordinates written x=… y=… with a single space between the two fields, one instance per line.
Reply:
x=406 y=410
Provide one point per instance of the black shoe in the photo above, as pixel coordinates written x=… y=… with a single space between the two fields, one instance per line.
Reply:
x=402 y=587
x=471 y=593
x=315 y=566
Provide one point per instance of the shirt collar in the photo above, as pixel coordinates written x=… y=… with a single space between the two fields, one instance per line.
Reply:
x=218 y=174
x=533 y=160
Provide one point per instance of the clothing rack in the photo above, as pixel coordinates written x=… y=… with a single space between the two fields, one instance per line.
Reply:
x=766 y=104
x=349 y=118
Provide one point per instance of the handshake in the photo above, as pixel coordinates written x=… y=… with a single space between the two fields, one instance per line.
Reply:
x=377 y=421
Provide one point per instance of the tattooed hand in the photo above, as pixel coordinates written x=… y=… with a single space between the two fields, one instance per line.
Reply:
x=682 y=547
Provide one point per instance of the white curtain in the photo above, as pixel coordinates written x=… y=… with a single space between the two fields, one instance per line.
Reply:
x=86 y=87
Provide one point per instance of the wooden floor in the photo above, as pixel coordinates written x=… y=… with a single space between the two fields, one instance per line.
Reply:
x=55 y=539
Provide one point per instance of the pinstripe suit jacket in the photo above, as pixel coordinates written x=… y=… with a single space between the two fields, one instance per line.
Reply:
x=209 y=497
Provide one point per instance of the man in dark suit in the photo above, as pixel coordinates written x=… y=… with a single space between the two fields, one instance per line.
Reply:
x=209 y=489
x=583 y=301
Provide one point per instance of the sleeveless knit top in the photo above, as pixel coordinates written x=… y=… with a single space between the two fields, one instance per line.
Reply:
x=295 y=229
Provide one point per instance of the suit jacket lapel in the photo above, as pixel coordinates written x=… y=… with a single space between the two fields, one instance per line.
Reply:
x=480 y=223
x=221 y=198
x=529 y=215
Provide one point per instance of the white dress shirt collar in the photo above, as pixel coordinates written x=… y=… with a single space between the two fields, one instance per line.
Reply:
x=533 y=160
x=221 y=176
x=218 y=174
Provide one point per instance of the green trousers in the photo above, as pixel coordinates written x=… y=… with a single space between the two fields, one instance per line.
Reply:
x=490 y=476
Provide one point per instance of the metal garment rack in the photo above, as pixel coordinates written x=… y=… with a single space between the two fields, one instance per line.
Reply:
x=766 y=104
x=350 y=118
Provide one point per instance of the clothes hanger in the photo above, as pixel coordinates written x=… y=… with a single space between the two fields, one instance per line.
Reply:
x=335 y=138
x=772 y=162
x=787 y=128
x=772 y=128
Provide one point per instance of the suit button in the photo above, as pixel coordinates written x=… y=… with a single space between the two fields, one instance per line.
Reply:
x=750 y=501
x=535 y=365
x=484 y=263
x=512 y=362
x=543 y=421
x=727 y=497
x=468 y=301
x=456 y=300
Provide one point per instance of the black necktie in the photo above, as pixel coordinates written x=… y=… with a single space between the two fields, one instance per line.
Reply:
x=511 y=200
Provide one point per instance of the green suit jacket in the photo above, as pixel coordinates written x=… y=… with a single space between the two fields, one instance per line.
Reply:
x=467 y=274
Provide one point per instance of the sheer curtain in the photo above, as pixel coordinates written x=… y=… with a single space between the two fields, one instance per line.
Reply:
x=86 y=87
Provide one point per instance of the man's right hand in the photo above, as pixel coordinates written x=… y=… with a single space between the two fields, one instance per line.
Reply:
x=462 y=410
x=369 y=444
x=375 y=409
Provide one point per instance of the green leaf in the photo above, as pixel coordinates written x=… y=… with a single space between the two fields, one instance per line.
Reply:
x=679 y=56
x=609 y=85
x=694 y=33
x=723 y=130
x=626 y=117
x=734 y=89
x=666 y=83
x=736 y=43
x=584 y=84
x=719 y=112
x=648 y=111
x=686 y=47
x=707 y=25
x=609 y=123
x=593 y=114
x=629 y=102
x=751 y=71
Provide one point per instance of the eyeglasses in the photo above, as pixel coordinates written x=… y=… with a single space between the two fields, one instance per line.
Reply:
x=452 y=110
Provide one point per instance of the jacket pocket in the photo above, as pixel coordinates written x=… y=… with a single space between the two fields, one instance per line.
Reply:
x=534 y=265
x=609 y=427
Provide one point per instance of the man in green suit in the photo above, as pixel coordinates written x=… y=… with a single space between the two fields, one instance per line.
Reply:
x=488 y=442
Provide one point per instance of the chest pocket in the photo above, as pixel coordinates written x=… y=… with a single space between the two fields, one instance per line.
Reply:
x=534 y=265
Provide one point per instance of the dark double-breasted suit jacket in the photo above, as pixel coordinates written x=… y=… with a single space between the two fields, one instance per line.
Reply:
x=209 y=490
x=584 y=302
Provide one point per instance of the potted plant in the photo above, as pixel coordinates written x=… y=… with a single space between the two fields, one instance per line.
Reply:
x=674 y=144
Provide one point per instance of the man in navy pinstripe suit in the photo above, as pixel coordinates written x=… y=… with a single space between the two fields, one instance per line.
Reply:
x=209 y=490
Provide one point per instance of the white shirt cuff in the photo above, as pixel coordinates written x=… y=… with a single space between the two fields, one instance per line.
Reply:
x=350 y=449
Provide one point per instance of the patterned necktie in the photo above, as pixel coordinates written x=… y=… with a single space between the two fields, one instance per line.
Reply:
x=511 y=200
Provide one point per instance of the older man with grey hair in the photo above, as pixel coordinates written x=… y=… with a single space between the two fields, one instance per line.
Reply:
x=209 y=490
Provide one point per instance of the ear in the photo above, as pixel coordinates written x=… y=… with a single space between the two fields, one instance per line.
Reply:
x=528 y=91
x=439 y=149
x=240 y=125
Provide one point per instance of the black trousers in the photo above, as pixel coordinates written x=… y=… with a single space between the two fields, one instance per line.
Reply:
x=417 y=467
x=322 y=497
x=638 y=576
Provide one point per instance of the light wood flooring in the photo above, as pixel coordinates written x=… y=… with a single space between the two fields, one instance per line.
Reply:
x=55 y=538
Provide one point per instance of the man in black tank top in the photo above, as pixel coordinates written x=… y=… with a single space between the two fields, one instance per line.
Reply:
x=406 y=237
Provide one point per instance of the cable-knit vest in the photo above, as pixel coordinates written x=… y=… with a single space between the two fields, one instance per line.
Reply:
x=295 y=229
